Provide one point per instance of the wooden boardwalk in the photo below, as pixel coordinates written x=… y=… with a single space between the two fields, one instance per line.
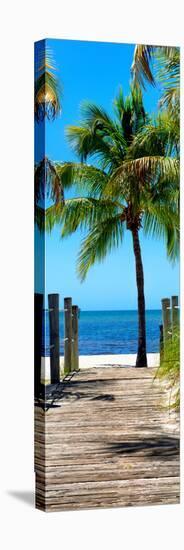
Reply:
x=107 y=442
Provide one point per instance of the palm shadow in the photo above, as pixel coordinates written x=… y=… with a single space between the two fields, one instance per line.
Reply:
x=53 y=395
x=156 y=447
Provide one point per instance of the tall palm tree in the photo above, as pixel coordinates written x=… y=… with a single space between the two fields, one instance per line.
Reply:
x=131 y=185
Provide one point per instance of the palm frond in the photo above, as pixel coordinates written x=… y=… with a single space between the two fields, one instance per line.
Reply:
x=96 y=117
x=168 y=75
x=85 y=212
x=159 y=137
x=143 y=169
x=141 y=66
x=39 y=218
x=47 y=86
x=166 y=64
x=80 y=140
x=119 y=104
x=142 y=61
x=162 y=220
x=53 y=216
x=47 y=218
x=85 y=177
x=48 y=184
x=99 y=242
x=99 y=135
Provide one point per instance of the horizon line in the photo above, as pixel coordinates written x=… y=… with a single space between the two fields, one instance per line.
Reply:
x=147 y=309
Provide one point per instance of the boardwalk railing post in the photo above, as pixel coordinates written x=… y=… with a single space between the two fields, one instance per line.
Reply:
x=38 y=321
x=75 y=352
x=53 y=301
x=175 y=312
x=161 y=342
x=166 y=315
x=68 y=335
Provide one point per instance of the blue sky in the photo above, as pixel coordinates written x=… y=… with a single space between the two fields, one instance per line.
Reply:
x=95 y=71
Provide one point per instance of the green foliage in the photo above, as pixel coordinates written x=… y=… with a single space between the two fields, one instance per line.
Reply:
x=168 y=73
x=141 y=66
x=160 y=136
x=86 y=212
x=166 y=61
x=48 y=186
x=47 y=87
x=101 y=239
x=86 y=178
x=134 y=172
x=48 y=182
x=169 y=370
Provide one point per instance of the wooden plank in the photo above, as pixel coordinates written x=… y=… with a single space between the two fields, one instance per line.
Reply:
x=109 y=441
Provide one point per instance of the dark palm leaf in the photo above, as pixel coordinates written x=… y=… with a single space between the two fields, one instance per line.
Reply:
x=141 y=66
x=48 y=183
x=47 y=87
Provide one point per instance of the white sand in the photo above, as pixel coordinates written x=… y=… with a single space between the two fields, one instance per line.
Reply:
x=128 y=360
x=95 y=361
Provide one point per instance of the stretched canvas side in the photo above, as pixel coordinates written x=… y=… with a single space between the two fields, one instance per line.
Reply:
x=40 y=273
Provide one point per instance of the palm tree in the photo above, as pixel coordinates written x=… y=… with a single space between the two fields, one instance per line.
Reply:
x=47 y=86
x=131 y=185
x=46 y=104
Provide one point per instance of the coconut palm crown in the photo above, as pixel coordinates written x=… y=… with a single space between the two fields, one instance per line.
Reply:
x=130 y=184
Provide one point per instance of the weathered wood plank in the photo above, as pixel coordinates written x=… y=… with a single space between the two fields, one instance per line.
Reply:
x=108 y=441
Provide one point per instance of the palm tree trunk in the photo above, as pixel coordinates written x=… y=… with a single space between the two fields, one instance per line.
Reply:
x=141 y=360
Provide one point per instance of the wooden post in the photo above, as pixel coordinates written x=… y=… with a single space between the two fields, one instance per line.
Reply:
x=53 y=301
x=166 y=315
x=175 y=312
x=75 y=352
x=68 y=335
x=161 y=342
x=38 y=320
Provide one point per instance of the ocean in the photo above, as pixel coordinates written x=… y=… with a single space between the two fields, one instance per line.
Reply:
x=109 y=332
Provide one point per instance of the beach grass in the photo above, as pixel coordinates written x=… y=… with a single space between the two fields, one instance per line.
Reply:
x=169 y=369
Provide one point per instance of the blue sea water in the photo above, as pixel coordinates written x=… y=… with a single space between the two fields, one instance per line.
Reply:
x=110 y=332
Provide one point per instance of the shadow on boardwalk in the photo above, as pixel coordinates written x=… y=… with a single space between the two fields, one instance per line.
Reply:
x=159 y=447
x=106 y=440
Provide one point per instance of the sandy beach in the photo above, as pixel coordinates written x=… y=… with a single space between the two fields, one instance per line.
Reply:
x=95 y=361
